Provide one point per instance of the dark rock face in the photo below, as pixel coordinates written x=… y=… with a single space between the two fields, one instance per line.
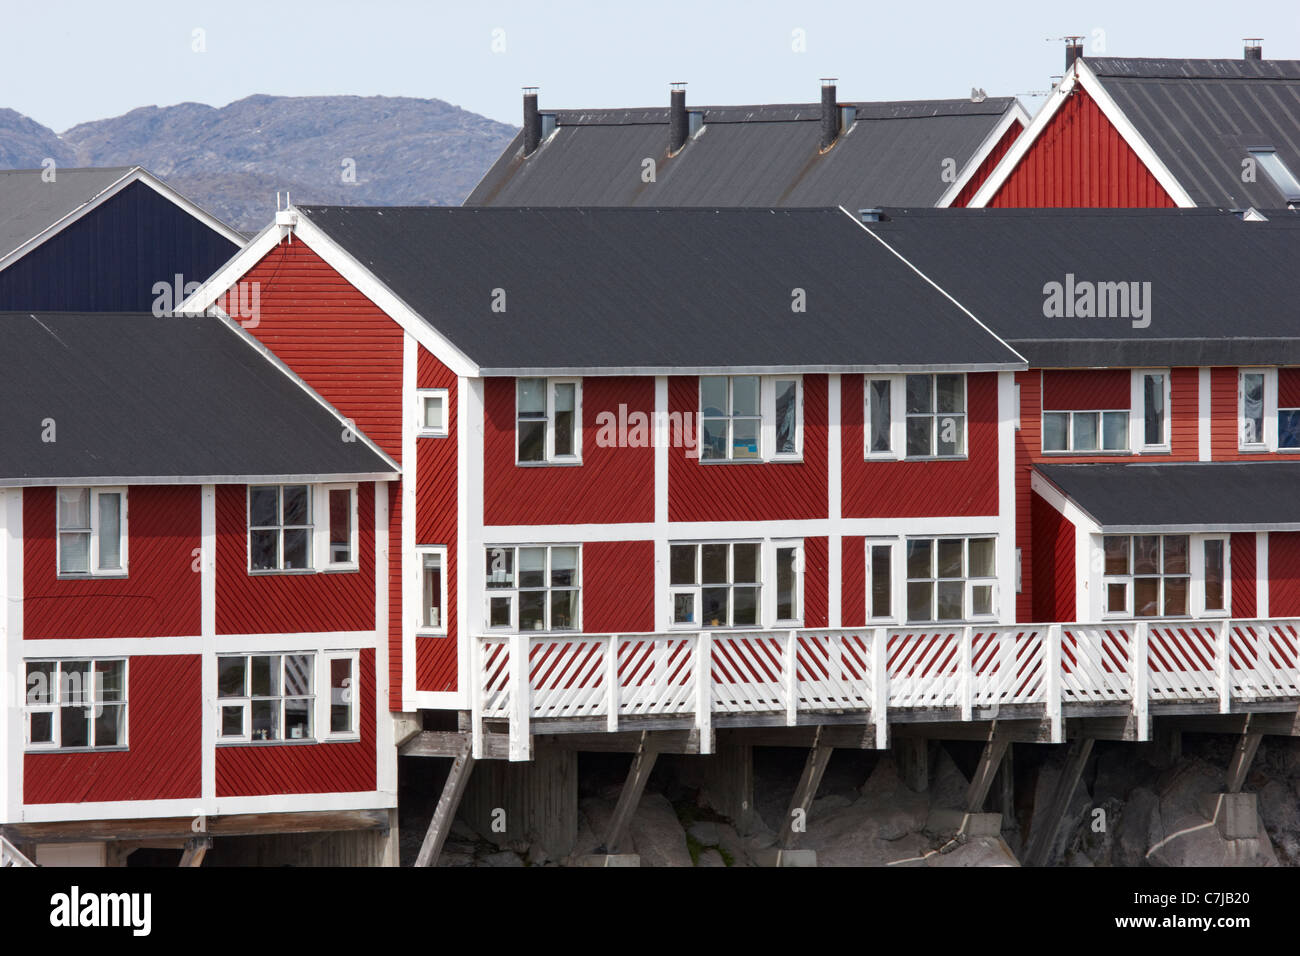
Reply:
x=231 y=160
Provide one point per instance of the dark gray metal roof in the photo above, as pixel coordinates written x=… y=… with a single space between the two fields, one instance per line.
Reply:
x=1201 y=116
x=745 y=156
x=1223 y=290
x=1211 y=496
x=29 y=203
x=168 y=399
x=660 y=289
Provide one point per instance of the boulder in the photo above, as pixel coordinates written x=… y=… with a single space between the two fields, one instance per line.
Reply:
x=851 y=836
x=503 y=858
x=1279 y=809
x=711 y=857
x=981 y=851
x=1138 y=828
x=948 y=786
x=706 y=832
x=894 y=808
x=657 y=834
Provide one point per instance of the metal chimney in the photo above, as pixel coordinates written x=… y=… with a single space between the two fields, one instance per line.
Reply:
x=1254 y=48
x=532 y=121
x=830 y=113
x=1073 y=51
x=678 y=122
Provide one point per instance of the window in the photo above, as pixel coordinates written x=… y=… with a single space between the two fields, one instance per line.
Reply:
x=1276 y=170
x=433 y=590
x=433 y=413
x=879 y=418
x=1250 y=398
x=880 y=580
x=1085 y=431
x=340 y=541
x=265 y=697
x=1288 y=428
x=279 y=527
x=1154 y=404
x=1147 y=575
x=548 y=420
x=341 y=715
x=789 y=577
x=936 y=416
x=92 y=531
x=950 y=579
x=751 y=418
x=76 y=704
x=533 y=588
x=1215 y=551
x=715 y=584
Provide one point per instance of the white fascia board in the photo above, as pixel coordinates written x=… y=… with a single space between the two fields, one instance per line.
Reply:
x=1065 y=505
x=78 y=481
x=231 y=272
x=198 y=212
x=578 y=371
x=1014 y=114
x=1055 y=100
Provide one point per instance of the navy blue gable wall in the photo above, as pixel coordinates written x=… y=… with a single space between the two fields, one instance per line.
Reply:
x=109 y=259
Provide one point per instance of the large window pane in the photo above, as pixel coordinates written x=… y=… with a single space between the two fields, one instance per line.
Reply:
x=950 y=597
x=1252 y=408
x=1055 y=436
x=713 y=396
x=340 y=528
x=500 y=567
x=532 y=610
x=74 y=726
x=230 y=677
x=744 y=395
x=297 y=505
x=532 y=441
x=264 y=550
x=950 y=393
x=340 y=695
x=41 y=678
x=1175 y=547
x=920 y=595
x=110 y=531
x=744 y=438
x=110 y=680
x=713 y=438
x=918 y=436
x=1085 y=431
x=1153 y=391
x=265 y=676
x=564 y=610
x=110 y=725
x=745 y=564
x=1146 y=597
x=431 y=606
x=713 y=564
x=532 y=397
x=683 y=608
x=745 y=609
x=881 y=582
x=1114 y=431
x=982 y=562
x=880 y=423
x=263 y=506
x=714 y=610
x=1214 y=576
x=1288 y=428
x=786 y=596
x=951 y=437
x=297 y=542
x=918 y=558
x=1175 y=596
x=1146 y=554
x=919 y=399
x=1116 y=554
x=1117 y=598
x=565 y=412
x=74 y=552
x=950 y=557
x=681 y=564
x=532 y=567
x=786 y=407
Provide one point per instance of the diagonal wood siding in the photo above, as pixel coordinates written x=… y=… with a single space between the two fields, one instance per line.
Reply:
x=618 y=586
x=436 y=522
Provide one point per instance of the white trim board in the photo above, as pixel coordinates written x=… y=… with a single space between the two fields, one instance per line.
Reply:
x=1014 y=114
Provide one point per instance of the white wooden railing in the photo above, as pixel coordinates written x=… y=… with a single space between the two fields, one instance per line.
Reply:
x=9 y=855
x=970 y=670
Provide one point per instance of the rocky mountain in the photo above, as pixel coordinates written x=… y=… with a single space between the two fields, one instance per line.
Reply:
x=326 y=149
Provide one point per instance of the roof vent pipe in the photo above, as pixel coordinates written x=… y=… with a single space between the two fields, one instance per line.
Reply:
x=830 y=113
x=1073 y=51
x=678 y=122
x=532 y=121
x=1254 y=48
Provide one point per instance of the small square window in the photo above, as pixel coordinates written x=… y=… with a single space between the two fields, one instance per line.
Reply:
x=433 y=413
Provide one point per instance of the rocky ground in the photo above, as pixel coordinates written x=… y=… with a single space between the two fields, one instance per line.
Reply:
x=1136 y=805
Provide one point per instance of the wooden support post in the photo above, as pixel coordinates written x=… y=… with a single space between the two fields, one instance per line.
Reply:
x=643 y=761
x=912 y=755
x=1004 y=787
x=818 y=757
x=196 y=849
x=1242 y=757
x=445 y=812
x=990 y=762
x=1047 y=826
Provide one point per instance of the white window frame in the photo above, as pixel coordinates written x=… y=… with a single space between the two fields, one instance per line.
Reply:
x=897 y=421
x=249 y=528
x=766 y=416
x=770 y=602
x=551 y=458
x=324 y=701
x=245 y=701
x=324 y=557
x=1137 y=427
x=512 y=592
x=421 y=551
x=969 y=583
x=55 y=705
x=900 y=408
x=1124 y=449
x=870 y=609
x=93 y=556
x=1196 y=609
x=423 y=430
x=1268 y=441
x=766 y=566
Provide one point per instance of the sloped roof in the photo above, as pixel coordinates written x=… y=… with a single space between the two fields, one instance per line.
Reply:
x=1201 y=116
x=168 y=399
x=1222 y=289
x=30 y=202
x=1209 y=496
x=658 y=291
x=893 y=154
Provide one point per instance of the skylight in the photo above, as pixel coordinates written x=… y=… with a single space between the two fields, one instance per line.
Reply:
x=1277 y=171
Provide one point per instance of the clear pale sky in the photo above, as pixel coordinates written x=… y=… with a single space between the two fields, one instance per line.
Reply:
x=68 y=62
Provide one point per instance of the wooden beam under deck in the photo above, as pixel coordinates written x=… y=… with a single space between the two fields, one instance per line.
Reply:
x=181 y=828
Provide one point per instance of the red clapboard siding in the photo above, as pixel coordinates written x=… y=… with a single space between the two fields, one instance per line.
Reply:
x=1087 y=389
x=1224 y=422
x=256 y=770
x=160 y=597
x=1283 y=574
x=1288 y=388
x=436 y=522
x=290 y=603
x=923 y=489
x=1241 y=566
x=164 y=732
x=699 y=491
x=816 y=582
x=1080 y=160
x=986 y=165
x=611 y=485
x=853 y=581
x=618 y=586
x=1053 y=537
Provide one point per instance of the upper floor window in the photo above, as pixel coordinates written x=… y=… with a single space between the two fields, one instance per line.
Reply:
x=92 y=531
x=433 y=413
x=951 y=579
x=1153 y=400
x=301 y=527
x=548 y=420
x=76 y=704
x=879 y=417
x=1085 y=431
x=936 y=416
x=751 y=418
x=533 y=588
x=433 y=589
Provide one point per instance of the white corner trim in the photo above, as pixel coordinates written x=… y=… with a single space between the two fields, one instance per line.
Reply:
x=208 y=631
x=1204 y=448
x=1261 y=574
x=1072 y=512
x=1014 y=114
x=834 y=501
x=1008 y=422
x=385 y=742
x=409 y=583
